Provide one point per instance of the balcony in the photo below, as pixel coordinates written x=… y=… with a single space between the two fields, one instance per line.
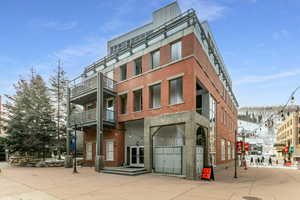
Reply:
x=84 y=90
x=88 y=118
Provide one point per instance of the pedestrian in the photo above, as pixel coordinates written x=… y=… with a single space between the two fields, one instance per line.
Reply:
x=263 y=160
x=270 y=161
x=258 y=161
x=251 y=161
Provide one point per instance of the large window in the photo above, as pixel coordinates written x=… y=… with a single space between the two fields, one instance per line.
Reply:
x=154 y=96
x=138 y=66
x=176 y=51
x=223 y=149
x=123 y=103
x=176 y=91
x=138 y=100
x=109 y=150
x=123 y=73
x=155 y=59
x=229 y=150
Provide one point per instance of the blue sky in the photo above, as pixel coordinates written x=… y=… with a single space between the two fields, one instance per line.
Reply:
x=259 y=39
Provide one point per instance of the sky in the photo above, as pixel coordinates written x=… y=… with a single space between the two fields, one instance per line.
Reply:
x=258 y=39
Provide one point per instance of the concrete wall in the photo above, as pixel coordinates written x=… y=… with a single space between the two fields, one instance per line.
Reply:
x=192 y=121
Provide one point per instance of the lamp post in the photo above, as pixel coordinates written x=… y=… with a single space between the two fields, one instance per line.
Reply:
x=75 y=151
x=235 y=155
x=74 y=147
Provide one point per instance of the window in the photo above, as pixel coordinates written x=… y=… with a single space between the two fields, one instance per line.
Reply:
x=176 y=51
x=229 y=150
x=233 y=152
x=223 y=149
x=109 y=150
x=123 y=74
x=138 y=100
x=138 y=66
x=155 y=59
x=123 y=103
x=89 y=151
x=176 y=91
x=154 y=96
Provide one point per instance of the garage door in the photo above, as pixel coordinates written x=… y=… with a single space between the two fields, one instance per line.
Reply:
x=167 y=160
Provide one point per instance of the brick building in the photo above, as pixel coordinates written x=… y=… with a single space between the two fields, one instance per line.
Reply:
x=161 y=99
x=287 y=138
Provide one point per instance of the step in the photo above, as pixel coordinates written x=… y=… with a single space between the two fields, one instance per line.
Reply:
x=119 y=172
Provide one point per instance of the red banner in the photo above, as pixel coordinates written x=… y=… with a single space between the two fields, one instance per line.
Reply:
x=246 y=146
x=286 y=149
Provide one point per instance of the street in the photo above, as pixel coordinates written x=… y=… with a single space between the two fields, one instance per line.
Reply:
x=60 y=183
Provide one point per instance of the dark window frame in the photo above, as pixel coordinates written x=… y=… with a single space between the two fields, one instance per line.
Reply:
x=151 y=95
x=123 y=72
x=152 y=62
x=137 y=62
x=123 y=103
x=135 y=103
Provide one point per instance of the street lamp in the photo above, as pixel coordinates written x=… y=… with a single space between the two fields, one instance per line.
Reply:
x=235 y=156
x=74 y=147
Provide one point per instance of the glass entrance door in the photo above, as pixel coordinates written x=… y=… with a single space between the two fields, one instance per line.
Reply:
x=137 y=156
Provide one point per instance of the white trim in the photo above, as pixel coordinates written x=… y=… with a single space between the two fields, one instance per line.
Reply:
x=175 y=77
x=113 y=149
x=138 y=88
x=154 y=83
x=124 y=92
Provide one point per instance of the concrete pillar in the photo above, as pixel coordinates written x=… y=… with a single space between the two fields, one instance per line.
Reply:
x=190 y=149
x=147 y=145
x=68 y=157
x=99 y=164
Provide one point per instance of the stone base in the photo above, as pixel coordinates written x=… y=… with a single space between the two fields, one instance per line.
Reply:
x=68 y=162
x=99 y=164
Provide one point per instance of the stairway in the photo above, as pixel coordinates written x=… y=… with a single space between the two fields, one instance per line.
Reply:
x=128 y=171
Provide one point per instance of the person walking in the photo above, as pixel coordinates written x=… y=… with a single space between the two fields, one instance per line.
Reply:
x=258 y=160
x=251 y=161
x=263 y=160
x=270 y=161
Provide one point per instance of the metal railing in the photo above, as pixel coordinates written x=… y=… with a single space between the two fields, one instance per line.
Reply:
x=83 y=85
x=90 y=116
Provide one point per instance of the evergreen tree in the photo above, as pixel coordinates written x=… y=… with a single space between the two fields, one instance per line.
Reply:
x=30 y=124
x=58 y=90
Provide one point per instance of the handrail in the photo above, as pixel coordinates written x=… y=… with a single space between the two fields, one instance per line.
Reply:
x=91 y=116
x=89 y=84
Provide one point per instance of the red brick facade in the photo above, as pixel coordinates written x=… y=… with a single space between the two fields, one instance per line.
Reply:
x=193 y=66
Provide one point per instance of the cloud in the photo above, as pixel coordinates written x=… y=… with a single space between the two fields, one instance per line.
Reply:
x=55 y=25
x=206 y=9
x=258 y=79
x=282 y=34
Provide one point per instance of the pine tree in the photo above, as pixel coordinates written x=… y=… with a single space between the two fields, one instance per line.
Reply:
x=58 y=90
x=30 y=124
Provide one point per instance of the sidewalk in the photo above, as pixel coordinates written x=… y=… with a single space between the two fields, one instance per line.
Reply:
x=61 y=184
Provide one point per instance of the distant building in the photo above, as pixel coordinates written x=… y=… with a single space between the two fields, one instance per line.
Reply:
x=287 y=142
x=161 y=99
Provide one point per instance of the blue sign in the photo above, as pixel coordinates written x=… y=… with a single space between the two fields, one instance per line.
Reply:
x=73 y=143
